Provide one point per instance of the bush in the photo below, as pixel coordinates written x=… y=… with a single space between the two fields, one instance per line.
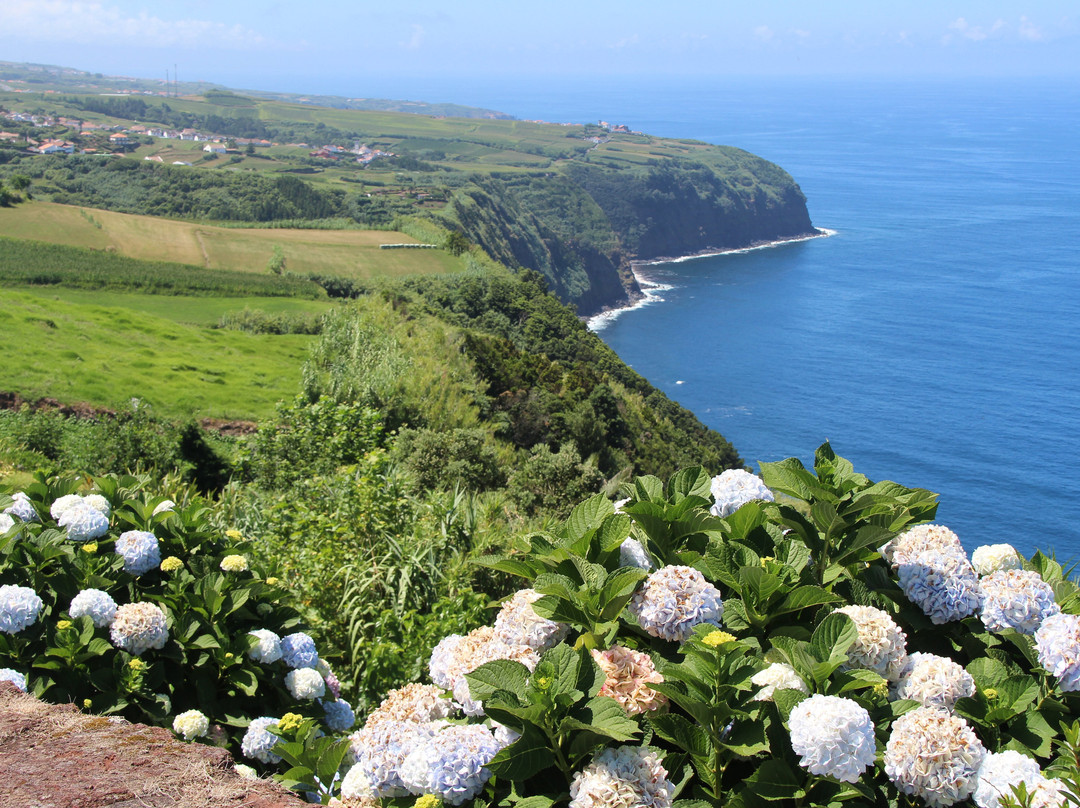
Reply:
x=445 y=459
x=553 y=481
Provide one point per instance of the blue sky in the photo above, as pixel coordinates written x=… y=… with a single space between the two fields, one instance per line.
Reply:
x=331 y=46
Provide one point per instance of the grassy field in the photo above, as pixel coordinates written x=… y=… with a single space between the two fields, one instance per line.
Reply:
x=108 y=354
x=348 y=253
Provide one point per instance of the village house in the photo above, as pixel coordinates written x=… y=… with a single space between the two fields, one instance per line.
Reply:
x=215 y=148
x=55 y=147
x=120 y=139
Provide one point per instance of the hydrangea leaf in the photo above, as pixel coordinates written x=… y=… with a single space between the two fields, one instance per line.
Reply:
x=500 y=674
x=803 y=597
x=775 y=780
x=613 y=531
x=833 y=637
x=678 y=730
x=603 y=716
x=527 y=756
x=586 y=517
x=692 y=481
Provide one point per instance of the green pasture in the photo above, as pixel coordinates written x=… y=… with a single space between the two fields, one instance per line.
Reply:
x=106 y=355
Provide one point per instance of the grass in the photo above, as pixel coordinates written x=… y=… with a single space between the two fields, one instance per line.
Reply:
x=349 y=253
x=107 y=354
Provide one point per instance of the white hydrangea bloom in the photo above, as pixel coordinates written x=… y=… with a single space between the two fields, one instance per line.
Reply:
x=734 y=488
x=451 y=763
x=518 y=624
x=778 y=676
x=139 y=627
x=13 y=676
x=380 y=749
x=140 y=550
x=7 y=522
x=1058 y=643
x=258 y=741
x=62 y=504
x=163 y=506
x=22 y=507
x=95 y=603
x=234 y=563
x=622 y=777
x=933 y=755
x=458 y=655
x=268 y=649
x=191 y=725
x=633 y=554
x=246 y=771
x=832 y=736
x=1049 y=792
x=999 y=772
x=305 y=684
x=1016 y=599
x=934 y=681
x=912 y=543
x=98 y=503
x=989 y=558
x=354 y=786
x=83 y=522
x=673 y=600
x=881 y=646
x=943 y=585
x=20 y=608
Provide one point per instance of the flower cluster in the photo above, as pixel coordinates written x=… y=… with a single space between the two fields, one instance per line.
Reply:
x=457 y=655
x=943 y=585
x=138 y=627
x=934 y=681
x=990 y=558
x=298 y=651
x=832 y=736
x=933 y=755
x=450 y=763
x=778 y=676
x=673 y=600
x=1000 y=771
x=7 y=522
x=1058 y=643
x=82 y=521
x=19 y=608
x=98 y=605
x=268 y=648
x=140 y=551
x=621 y=777
x=628 y=675
x=191 y=725
x=912 y=543
x=234 y=563
x=339 y=715
x=13 y=676
x=305 y=684
x=1016 y=599
x=518 y=624
x=632 y=553
x=881 y=645
x=259 y=742
x=734 y=488
x=22 y=507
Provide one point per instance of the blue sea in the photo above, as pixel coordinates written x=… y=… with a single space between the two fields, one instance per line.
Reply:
x=934 y=339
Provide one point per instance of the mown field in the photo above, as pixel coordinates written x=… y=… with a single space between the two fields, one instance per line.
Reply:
x=348 y=253
x=106 y=354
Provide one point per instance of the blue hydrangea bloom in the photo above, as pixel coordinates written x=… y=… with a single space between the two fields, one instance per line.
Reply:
x=140 y=551
x=13 y=676
x=19 y=608
x=258 y=742
x=339 y=715
x=83 y=522
x=22 y=507
x=451 y=764
x=99 y=605
x=298 y=651
x=943 y=585
x=1016 y=599
x=1058 y=641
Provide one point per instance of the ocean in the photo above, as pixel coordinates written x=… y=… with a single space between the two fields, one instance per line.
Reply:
x=934 y=339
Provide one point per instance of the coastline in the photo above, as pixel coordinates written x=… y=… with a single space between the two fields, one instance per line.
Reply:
x=651 y=290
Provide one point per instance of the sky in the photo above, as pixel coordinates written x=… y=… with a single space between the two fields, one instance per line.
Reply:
x=359 y=48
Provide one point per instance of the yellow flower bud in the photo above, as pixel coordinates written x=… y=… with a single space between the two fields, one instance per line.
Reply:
x=62 y=624
x=229 y=656
x=137 y=664
x=87 y=704
x=990 y=694
x=427 y=801
x=717 y=638
x=171 y=564
x=235 y=535
x=273 y=581
x=290 y=722
x=90 y=547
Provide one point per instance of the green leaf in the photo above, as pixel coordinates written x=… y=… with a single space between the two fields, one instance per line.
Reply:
x=527 y=756
x=500 y=674
x=833 y=637
x=790 y=477
x=678 y=730
x=587 y=516
x=203 y=642
x=1033 y=731
x=245 y=680
x=804 y=597
x=511 y=566
x=618 y=588
x=648 y=488
x=614 y=530
x=603 y=716
x=775 y=780
x=787 y=699
x=747 y=738
x=692 y=481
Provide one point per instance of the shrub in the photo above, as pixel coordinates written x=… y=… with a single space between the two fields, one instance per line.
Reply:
x=444 y=459
x=553 y=481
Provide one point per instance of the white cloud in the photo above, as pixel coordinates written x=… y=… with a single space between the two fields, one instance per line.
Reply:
x=626 y=42
x=764 y=33
x=976 y=33
x=801 y=33
x=417 y=38
x=96 y=23
x=1030 y=31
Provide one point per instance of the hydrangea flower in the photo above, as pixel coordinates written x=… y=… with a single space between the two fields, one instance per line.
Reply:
x=451 y=763
x=832 y=736
x=258 y=741
x=628 y=675
x=1058 y=642
x=13 y=676
x=191 y=725
x=933 y=755
x=999 y=772
x=1016 y=599
x=943 y=585
x=234 y=563
x=458 y=655
x=622 y=777
x=518 y=624
x=915 y=541
x=333 y=684
x=504 y=735
x=633 y=554
x=989 y=558
x=19 y=608
x=22 y=507
x=246 y=771
x=934 y=681
x=83 y=522
x=673 y=600
x=305 y=683
x=95 y=603
x=171 y=564
x=139 y=627
x=98 y=503
x=778 y=676
x=163 y=506
x=1049 y=792
x=339 y=715
x=268 y=648
x=7 y=522
x=420 y=704
x=881 y=645
x=62 y=504
x=734 y=488
x=355 y=786
x=298 y=651
x=140 y=551
x=381 y=748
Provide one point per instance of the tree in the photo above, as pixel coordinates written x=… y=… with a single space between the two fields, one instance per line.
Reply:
x=276 y=264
